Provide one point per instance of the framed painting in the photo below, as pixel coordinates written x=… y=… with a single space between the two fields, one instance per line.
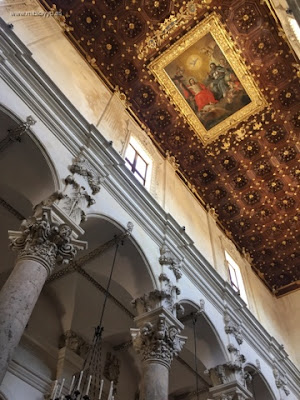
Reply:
x=207 y=81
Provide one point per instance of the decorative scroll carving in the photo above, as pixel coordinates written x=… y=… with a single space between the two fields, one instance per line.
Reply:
x=82 y=167
x=167 y=258
x=75 y=198
x=171 y=24
x=165 y=297
x=233 y=329
x=43 y=239
x=112 y=368
x=74 y=342
x=15 y=135
x=280 y=381
x=158 y=341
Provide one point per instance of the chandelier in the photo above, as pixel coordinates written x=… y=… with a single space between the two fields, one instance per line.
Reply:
x=88 y=384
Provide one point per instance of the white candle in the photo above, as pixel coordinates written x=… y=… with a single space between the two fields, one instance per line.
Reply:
x=56 y=387
x=111 y=390
x=79 y=382
x=101 y=388
x=61 y=388
x=72 y=384
x=88 y=386
x=53 y=391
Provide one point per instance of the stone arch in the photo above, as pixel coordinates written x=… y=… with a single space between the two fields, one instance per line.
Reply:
x=29 y=177
x=210 y=352
x=11 y=121
x=83 y=294
x=258 y=385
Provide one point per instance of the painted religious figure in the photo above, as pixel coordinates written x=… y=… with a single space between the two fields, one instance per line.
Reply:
x=207 y=82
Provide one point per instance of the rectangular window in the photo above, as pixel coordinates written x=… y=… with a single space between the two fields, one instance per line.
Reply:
x=235 y=276
x=137 y=165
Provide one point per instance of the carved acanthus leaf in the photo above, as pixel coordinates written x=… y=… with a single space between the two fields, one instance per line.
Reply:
x=46 y=240
x=159 y=341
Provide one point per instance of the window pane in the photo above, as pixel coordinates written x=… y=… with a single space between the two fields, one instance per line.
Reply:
x=130 y=153
x=233 y=277
x=141 y=166
x=128 y=165
x=139 y=178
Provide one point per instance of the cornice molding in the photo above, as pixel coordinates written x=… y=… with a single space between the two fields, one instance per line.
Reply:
x=20 y=72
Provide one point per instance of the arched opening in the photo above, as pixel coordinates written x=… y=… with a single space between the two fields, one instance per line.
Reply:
x=27 y=178
x=210 y=352
x=81 y=293
x=257 y=385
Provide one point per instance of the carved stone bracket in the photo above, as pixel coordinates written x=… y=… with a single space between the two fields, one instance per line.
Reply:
x=233 y=328
x=157 y=337
x=47 y=239
x=280 y=381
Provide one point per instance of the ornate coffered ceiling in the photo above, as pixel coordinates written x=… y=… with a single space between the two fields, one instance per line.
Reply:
x=250 y=173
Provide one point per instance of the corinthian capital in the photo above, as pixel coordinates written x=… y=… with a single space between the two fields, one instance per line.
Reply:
x=47 y=239
x=157 y=339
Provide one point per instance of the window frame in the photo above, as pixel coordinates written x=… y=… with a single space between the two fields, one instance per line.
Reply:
x=132 y=165
x=240 y=287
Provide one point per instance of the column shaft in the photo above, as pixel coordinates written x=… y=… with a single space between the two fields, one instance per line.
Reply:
x=155 y=381
x=17 y=300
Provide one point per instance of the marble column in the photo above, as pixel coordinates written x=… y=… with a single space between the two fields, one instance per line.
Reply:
x=156 y=338
x=157 y=341
x=44 y=241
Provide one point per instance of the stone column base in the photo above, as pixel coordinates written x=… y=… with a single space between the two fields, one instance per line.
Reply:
x=230 y=391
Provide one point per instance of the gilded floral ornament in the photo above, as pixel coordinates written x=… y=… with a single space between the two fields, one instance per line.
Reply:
x=153 y=42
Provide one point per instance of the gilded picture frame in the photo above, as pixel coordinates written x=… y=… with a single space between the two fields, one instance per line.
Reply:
x=207 y=81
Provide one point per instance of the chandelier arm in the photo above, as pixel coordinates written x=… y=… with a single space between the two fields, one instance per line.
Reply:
x=107 y=288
